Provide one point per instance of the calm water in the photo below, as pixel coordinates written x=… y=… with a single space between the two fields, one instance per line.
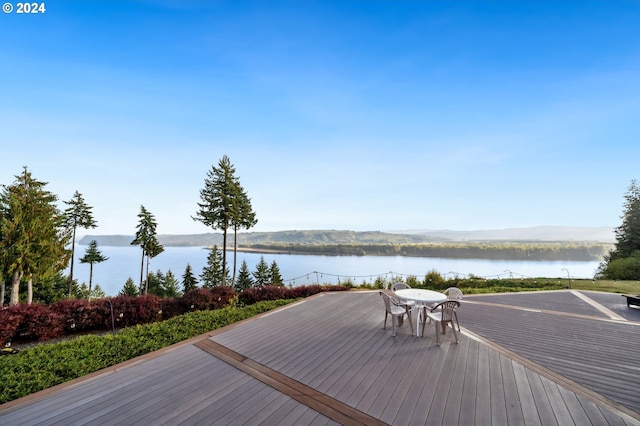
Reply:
x=124 y=262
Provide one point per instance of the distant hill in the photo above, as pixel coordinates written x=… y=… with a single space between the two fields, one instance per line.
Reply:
x=600 y=234
x=328 y=237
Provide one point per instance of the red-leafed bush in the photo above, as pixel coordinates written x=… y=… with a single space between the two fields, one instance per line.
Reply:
x=130 y=310
x=198 y=299
x=171 y=307
x=38 y=322
x=10 y=319
x=221 y=296
x=79 y=315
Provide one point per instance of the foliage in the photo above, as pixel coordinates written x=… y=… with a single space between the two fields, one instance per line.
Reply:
x=212 y=274
x=261 y=275
x=189 y=281
x=147 y=239
x=433 y=279
x=92 y=255
x=244 y=280
x=129 y=289
x=217 y=208
x=32 y=234
x=78 y=214
x=47 y=365
x=623 y=262
x=275 y=276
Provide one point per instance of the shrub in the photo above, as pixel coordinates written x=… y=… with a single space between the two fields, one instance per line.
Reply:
x=79 y=315
x=47 y=365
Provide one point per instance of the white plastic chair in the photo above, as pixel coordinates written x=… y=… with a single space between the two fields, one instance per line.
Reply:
x=444 y=314
x=397 y=310
x=453 y=293
x=399 y=286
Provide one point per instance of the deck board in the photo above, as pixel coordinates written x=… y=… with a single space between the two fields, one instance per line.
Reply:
x=527 y=371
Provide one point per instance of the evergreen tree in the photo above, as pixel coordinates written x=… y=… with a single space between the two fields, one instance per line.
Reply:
x=216 y=208
x=129 y=289
x=244 y=280
x=212 y=274
x=189 y=281
x=32 y=234
x=98 y=293
x=155 y=283
x=243 y=217
x=274 y=273
x=262 y=274
x=147 y=240
x=171 y=285
x=92 y=255
x=623 y=262
x=78 y=214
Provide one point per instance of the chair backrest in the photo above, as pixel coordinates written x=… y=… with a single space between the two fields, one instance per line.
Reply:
x=387 y=302
x=453 y=293
x=399 y=286
x=448 y=309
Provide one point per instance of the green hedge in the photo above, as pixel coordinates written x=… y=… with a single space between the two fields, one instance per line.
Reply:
x=47 y=365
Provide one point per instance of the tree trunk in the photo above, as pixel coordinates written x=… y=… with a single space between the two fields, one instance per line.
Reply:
x=146 y=281
x=235 y=252
x=224 y=257
x=90 y=279
x=141 y=272
x=30 y=290
x=2 y=289
x=15 y=287
x=73 y=250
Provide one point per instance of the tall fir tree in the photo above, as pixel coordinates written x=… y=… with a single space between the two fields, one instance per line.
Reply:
x=147 y=239
x=77 y=215
x=92 y=255
x=216 y=208
x=623 y=262
x=243 y=217
x=32 y=234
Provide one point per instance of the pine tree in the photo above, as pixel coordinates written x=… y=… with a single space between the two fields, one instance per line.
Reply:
x=243 y=217
x=261 y=275
x=129 y=289
x=92 y=255
x=623 y=262
x=212 y=274
x=32 y=234
x=274 y=273
x=78 y=214
x=217 y=209
x=147 y=240
x=171 y=285
x=244 y=280
x=155 y=283
x=189 y=281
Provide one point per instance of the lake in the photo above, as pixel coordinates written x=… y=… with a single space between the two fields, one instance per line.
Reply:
x=124 y=262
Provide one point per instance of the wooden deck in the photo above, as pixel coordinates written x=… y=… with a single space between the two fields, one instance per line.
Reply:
x=524 y=359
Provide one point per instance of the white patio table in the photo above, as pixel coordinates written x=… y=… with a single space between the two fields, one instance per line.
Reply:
x=423 y=298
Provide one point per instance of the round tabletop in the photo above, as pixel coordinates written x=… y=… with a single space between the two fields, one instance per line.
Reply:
x=421 y=296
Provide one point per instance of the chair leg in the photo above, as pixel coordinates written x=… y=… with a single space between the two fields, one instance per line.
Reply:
x=394 y=320
x=437 y=332
x=410 y=322
x=386 y=314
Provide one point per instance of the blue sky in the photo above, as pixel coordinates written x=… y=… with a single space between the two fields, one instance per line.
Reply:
x=361 y=115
